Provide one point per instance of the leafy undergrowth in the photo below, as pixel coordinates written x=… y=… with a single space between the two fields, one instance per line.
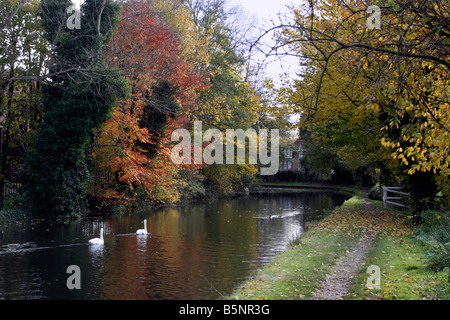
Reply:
x=357 y=215
x=297 y=272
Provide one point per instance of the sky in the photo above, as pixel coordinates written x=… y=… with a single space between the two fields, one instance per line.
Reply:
x=264 y=9
x=267 y=13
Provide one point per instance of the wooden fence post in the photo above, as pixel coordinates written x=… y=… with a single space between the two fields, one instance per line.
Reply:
x=388 y=200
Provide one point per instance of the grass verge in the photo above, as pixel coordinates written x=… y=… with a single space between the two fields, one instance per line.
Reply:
x=297 y=272
x=404 y=272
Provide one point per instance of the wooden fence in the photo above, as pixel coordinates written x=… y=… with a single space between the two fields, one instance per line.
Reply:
x=388 y=199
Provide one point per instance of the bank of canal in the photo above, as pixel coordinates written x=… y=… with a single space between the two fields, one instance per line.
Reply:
x=329 y=262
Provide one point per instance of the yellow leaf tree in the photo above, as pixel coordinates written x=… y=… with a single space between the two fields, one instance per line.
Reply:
x=377 y=94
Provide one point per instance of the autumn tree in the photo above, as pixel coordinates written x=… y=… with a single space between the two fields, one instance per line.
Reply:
x=376 y=95
x=181 y=64
x=134 y=145
x=230 y=102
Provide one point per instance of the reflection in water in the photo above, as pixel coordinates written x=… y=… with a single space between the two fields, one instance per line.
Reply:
x=197 y=251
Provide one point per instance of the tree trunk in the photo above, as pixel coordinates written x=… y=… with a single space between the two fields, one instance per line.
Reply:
x=423 y=190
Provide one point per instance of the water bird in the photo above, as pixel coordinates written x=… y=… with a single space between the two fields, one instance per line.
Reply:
x=98 y=240
x=143 y=231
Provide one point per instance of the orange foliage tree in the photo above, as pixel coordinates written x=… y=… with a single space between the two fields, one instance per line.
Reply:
x=149 y=54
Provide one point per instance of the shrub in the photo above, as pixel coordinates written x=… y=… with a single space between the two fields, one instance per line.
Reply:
x=376 y=193
x=434 y=234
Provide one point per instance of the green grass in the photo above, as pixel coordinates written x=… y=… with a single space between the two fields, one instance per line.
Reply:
x=404 y=272
x=296 y=273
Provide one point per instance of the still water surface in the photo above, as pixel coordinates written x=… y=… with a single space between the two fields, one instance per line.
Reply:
x=197 y=251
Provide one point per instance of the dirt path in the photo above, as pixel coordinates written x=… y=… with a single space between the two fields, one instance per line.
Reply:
x=336 y=284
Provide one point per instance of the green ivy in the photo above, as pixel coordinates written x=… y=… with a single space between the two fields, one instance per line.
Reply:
x=74 y=103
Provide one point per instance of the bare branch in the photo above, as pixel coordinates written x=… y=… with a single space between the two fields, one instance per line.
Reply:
x=53 y=74
x=99 y=18
x=11 y=16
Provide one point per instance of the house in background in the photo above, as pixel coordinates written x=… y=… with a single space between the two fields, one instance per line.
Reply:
x=292 y=156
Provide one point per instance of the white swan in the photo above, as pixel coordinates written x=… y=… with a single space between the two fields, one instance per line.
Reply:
x=98 y=240
x=143 y=231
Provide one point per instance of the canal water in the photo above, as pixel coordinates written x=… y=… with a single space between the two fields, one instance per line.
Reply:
x=195 y=251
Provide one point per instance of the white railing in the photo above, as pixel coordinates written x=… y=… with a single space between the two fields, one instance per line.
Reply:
x=396 y=190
